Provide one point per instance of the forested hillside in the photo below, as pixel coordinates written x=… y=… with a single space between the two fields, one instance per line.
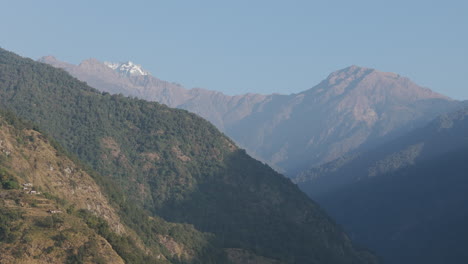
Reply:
x=53 y=210
x=176 y=165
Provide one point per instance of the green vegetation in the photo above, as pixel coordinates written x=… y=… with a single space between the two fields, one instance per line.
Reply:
x=88 y=250
x=8 y=225
x=7 y=181
x=125 y=246
x=51 y=221
x=196 y=246
x=177 y=166
x=20 y=231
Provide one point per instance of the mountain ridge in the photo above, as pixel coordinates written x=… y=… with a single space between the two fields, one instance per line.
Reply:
x=350 y=109
x=420 y=144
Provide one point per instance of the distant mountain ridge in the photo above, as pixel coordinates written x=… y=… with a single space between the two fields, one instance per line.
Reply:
x=445 y=134
x=349 y=110
x=406 y=198
x=216 y=107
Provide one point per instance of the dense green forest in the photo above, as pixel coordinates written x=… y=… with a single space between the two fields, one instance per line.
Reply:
x=175 y=165
x=197 y=247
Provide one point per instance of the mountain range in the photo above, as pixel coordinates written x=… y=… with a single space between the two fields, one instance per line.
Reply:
x=183 y=191
x=351 y=109
x=384 y=156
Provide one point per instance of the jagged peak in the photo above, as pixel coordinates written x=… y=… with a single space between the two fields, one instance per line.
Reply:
x=351 y=72
x=91 y=62
x=365 y=81
x=47 y=58
x=52 y=60
x=355 y=68
x=358 y=71
x=127 y=68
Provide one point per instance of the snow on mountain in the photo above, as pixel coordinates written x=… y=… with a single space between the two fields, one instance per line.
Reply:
x=127 y=68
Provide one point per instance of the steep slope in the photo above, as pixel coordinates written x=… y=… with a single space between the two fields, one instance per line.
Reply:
x=37 y=180
x=44 y=193
x=407 y=198
x=31 y=235
x=54 y=210
x=177 y=166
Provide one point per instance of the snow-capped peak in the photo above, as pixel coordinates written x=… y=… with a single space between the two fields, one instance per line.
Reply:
x=126 y=68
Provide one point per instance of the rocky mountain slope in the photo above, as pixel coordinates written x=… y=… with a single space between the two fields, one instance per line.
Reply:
x=53 y=211
x=176 y=166
x=40 y=192
x=351 y=109
x=406 y=198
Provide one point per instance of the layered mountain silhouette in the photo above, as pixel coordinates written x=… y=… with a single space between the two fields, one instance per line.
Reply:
x=220 y=109
x=406 y=198
x=153 y=162
x=351 y=109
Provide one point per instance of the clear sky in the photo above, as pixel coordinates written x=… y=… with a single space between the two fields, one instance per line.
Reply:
x=250 y=46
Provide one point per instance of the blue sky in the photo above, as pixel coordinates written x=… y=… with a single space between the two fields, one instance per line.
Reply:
x=251 y=46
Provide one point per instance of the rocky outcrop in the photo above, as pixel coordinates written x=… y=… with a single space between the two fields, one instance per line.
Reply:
x=39 y=164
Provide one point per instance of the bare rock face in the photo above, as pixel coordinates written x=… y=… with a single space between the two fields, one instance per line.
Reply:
x=351 y=109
